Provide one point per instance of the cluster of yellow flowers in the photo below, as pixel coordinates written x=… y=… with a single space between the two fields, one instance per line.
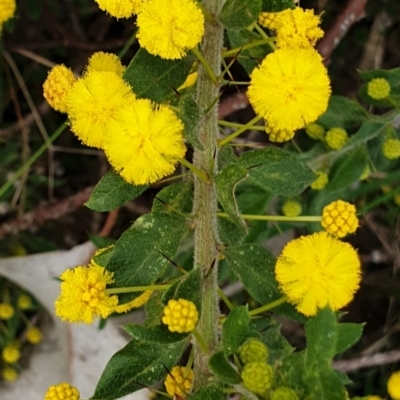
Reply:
x=7 y=10
x=291 y=87
x=142 y=141
x=179 y=381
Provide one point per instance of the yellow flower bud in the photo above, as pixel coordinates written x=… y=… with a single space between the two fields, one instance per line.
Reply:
x=253 y=350
x=339 y=218
x=321 y=181
x=378 y=88
x=279 y=135
x=180 y=315
x=266 y=19
x=291 y=208
x=9 y=374
x=6 y=311
x=11 y=354
x=24 y=302
x=393 y=385
x=336 y=138
x=315 y=131
x=179 y=381
x=33 y=335
x=257 y=377
x=62 y=391
x=391 y=149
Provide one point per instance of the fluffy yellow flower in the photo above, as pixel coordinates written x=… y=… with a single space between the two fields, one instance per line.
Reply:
x=62 y=391
x=336 y=138
x=279 y=135
x=179 y=381
x=6 y=311
x=57 y=86
x=393 y=385
x=378 y=88
x=83 y=294
x=297 y=28
x=339 y=218
x=291 y=208
x=169 y=29
x=103 y=62
x=135 y=303
x=145 y=142
x=7 y=10
x=290 y=89
x=9 y=374
x=33 y=335
x=180 y=315
x=93 y=102
x=11 y=354
x=391 y=149
x=120 y=8
x=316 y=271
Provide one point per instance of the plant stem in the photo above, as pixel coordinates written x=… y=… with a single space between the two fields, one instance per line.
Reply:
x=200 y=340
x=133 y=289
x=201 y=174
x=235 y=134
x=225 y=299
x=301 y=218
x=237 y=125
x=205 y=198
x=206 y=65
x=256 y=43
x=268 y=306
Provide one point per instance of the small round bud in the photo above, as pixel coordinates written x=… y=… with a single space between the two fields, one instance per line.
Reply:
x=267 y=19
x=9 y=374
x=6 y=311
x=393 y=385
x=336 y=138
x=284 y=393
x=179 y=381
x=253 y=350
x=62 y=391
x=33 y=335
x=391 y=149
x=24 y=302
x=321 y=181
x=10 y=354
x=378 y=88
x=180 y=315
x=291 y=208
x=257 y=377
x=339 y=218
x=279 y=136
x=315 y=131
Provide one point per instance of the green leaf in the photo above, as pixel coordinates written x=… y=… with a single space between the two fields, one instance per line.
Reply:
x=154 y=309
x=229 y=233
x=112 y=192
x=138 y=364
x=178 y=196
x=154 y=334
x=347 y=335
x=347 y=169
x=223 y=369
x=226 y=182
x=138 y=256
x=189 y=288
x=155 y=78
x=104 y=257
x=190 y=115
x=210 y=392
x=342 y=112
x=276 y=5
x=277 y=171
x=391 y=75
x=235 y=329
x=369 y=130
x=249 y=58
x=238 y=14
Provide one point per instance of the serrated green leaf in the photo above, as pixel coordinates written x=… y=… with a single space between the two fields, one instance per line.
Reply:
x=223 y=369
x=276 y=5
x=138 y=256
x=229 y=233
x=177 y=196
x=235 y=329
x=154 y=78
x=369 y=130
x=112 y=192
x=104 y=257
x=226 y=182
x=342 y=112
x=138 y=364
x=154 y=309
x=276 y=171
x=347 y=169
x=210 y=392
x=190 y=115
x=238 y=14
x=188 y=287
x=154 y=334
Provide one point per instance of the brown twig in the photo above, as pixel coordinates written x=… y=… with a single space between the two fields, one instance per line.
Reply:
x=236 y=102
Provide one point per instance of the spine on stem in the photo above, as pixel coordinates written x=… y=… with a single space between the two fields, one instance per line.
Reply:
x=205 y=198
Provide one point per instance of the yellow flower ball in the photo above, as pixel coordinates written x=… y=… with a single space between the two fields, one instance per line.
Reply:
x=336 y=138
x=393 y=385
x=7 y=10
x=284 y=393
x=279 y=135
x=11 y=354
x=321 y=181
x=291 y=208
x=57 y=86
x=9 y=374
x=145 y=142
x=93 y=102
x=33 y=335
x=339 y=218
x=83 y=294
x=267 y=19
x=257 y=377
x=297 y=28
x=290 y=89
x=104 y=62
x=316 y=271
x=6 y=311
x=120 y=8
x=378 y=88
x=315 y=131
x=391 y=149
x=180 y=316
x=179 y=381
x=62 y=391
x=24 y=302
x=170 y=29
